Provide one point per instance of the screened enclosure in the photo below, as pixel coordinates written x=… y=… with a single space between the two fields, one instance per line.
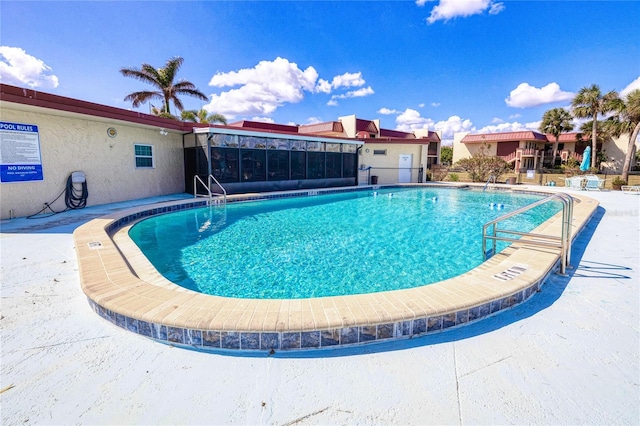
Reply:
x=245 y=161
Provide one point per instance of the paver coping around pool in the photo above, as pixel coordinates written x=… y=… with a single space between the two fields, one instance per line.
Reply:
x=124 y=288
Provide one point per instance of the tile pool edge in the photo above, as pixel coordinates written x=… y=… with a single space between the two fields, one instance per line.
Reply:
x=165 y=312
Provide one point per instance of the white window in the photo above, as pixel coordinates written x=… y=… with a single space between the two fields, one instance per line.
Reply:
x=144 y=156
x=379 y=152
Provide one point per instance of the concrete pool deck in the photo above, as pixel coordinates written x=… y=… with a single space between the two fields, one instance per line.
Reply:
x=567 y=356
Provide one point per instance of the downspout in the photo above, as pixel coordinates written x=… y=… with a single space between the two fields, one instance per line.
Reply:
x=209 y=170
x=358 y=163
x=184 y=158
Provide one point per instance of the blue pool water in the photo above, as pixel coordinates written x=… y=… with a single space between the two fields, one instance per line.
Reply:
x=328 y=245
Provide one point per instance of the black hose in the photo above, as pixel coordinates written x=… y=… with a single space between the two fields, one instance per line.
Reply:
x=74 y=198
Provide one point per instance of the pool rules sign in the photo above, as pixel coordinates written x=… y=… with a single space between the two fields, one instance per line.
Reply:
x=20 y=159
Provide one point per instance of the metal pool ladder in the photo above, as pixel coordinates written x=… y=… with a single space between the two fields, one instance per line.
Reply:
x=210 y=193
x=562 y=242
x=492 y=177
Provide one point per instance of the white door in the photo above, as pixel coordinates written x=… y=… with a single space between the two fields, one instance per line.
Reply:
x=404 y=166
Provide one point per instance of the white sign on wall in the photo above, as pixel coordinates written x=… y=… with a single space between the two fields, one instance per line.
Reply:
x=20 y=159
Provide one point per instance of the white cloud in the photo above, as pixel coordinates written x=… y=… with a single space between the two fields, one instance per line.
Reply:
x=21 y=69
x=263 y=88
x=497 y=120
x=449 y=9
x=345 y=80
x=512 y=116
x=277 y=74
x=534 y=125
x=323 y=86
x=360 y=93
x=271 y=84
x=525 y=95
x=510 y=127
x=348 y=80
x=496 y=8
x=387 y=111
x=635 y=84
x=314 y=120
x=452 y=125
x=411 y=120
x=434 y=104
x=263 y=119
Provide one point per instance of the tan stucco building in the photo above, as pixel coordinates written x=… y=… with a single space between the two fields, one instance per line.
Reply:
x=388 y=156
x=532 y=150
x=125 y=155
x=98 y=140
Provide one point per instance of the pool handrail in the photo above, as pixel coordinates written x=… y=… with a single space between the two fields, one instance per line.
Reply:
x=489 y=180
x=210 y=193
x=563 y=242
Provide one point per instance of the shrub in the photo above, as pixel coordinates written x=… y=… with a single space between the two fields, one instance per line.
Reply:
x=481 y=165
x=618 y=182
x=571 y=167
x=453 y=177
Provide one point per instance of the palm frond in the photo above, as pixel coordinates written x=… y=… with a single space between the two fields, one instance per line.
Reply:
x=189 y=115
x=138 y=98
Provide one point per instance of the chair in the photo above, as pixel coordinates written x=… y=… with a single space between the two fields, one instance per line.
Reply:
x=593 y=183
x=576 y=182
x=630 y=189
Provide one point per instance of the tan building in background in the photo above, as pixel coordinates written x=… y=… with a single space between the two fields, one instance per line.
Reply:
x=530 y=150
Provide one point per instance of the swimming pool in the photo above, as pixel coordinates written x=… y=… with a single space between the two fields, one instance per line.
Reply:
x=329 y=245
x=125 y=289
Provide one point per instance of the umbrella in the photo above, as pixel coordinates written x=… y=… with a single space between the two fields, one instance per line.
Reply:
x=586 y=159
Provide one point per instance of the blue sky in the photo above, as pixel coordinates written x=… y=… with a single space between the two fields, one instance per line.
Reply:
x=449 y=65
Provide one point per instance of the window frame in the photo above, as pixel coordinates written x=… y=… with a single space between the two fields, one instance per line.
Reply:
x=143 y=156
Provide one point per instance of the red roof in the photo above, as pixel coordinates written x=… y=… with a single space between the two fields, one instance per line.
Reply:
x=261 y=125
x=328 y=127
x=528 y=135
x=396 y=134
x=434 y=137
x=366 y=125
x=567 y=137
x=34 y=98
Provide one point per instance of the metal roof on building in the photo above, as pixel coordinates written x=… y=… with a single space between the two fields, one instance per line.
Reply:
x=261 y=125
x=528 y=135
x=366 y=126
x=333 y=128
x=396 y=134
x=525 y=135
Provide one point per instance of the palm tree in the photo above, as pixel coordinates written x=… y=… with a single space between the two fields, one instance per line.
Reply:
x=555 y=122
x=203 y=117
x=163 y=80
x=589 y=103
x=627 y=120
